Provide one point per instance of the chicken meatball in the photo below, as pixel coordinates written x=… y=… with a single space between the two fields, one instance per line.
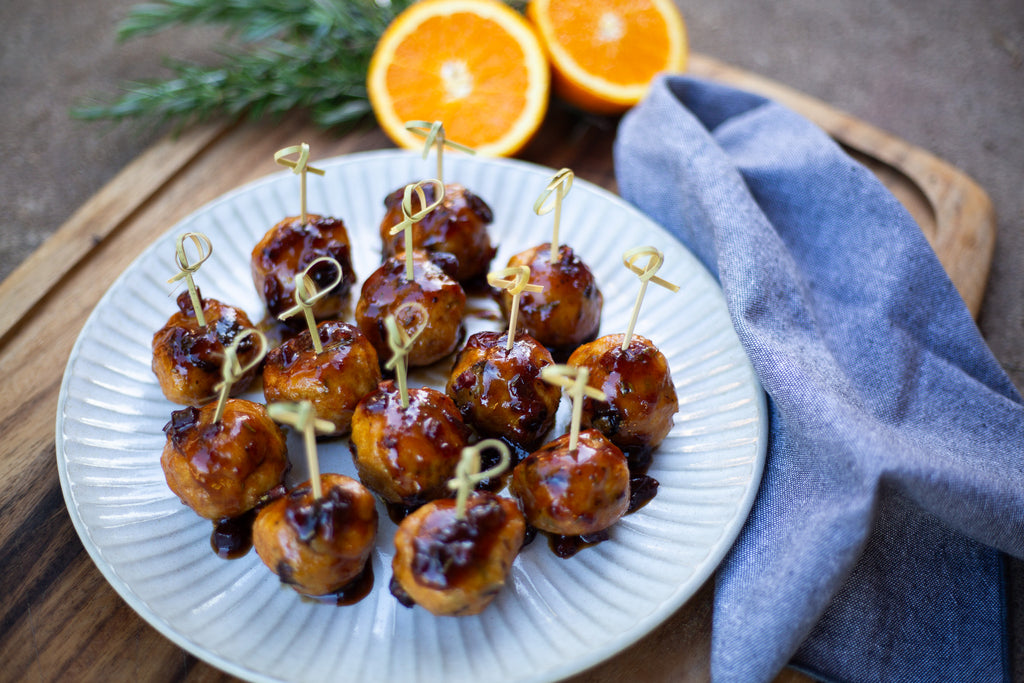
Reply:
x=287 y=249
x=500 y=392
x=567 y=312
x=318 y=546
x=407 y=455
x=333 y=381
x=187 y=358
x=457 y=227
x=452 y=566
x=222 y=469
x=442 y=297
x=573 y=492
x=642 y=399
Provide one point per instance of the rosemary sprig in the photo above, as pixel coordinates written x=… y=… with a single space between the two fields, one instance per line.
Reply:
x=293 y=54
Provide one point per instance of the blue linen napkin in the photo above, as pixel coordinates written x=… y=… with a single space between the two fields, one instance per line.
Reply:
x=895 y=471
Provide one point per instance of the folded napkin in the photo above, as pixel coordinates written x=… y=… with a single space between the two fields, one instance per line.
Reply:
x=895 y=471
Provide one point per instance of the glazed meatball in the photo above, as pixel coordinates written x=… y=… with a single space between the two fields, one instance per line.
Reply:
x=454 y=567
x=641 y=395
x=457 y=227
x=573 y=492
x=500 y=392
x=187 y=358
x=567 y=312
x=287 y=249
x=334 y=381
x=222 y=469
x=407 y=455
x=387 y=289
x=318 y=546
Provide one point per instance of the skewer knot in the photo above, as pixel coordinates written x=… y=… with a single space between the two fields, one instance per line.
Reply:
x=468 y=474
x=231 y=370
x=561 y=183
x=299 y=165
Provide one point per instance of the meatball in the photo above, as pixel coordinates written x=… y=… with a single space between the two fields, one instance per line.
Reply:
x=457 y=227
x=500 y=392
x=387 y=289
x=642 y=399
x=222 y=469
x=287 y=249
x=318 y=546
x=407 y=455
x=573 y=492
x=334 y=381
x=568 y=312
x=187 y=358
x=452 y=566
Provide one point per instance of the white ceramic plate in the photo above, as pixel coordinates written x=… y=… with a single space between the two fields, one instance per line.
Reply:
x=556 y=617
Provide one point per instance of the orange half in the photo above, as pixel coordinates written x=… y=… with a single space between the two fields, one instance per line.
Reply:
x=475 y=65
x=605 y=52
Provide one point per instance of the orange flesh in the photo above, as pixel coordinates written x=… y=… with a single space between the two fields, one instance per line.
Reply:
x=595 y=37
x=484 y=92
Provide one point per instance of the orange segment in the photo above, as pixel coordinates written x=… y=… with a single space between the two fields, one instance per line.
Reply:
x=475 y=65
x=605 y=52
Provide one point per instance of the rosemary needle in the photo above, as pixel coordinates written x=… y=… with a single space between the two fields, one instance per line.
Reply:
x=291 y=54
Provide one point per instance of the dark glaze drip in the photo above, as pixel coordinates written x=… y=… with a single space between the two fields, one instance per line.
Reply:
x=567 y=546
x=352 y=592
x=639 y=458
x=399 y=511
x=642 y=490
x=447 y=547
x=403 y=598
x=232 y=536
x=312 y=518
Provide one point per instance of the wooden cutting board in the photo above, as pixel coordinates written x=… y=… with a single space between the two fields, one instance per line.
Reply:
x=60 y=619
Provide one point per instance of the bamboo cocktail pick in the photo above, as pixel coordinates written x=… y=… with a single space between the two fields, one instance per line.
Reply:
x=434 y=134
x=186 y=269
x=560 y=185
x=299 y=167
x=401 y=340
x=574 y=381
x=302 y=416
x=232 y=369
x=306 y=295
x=468 y=474
x=516 y=280
x=647 y=274
x=408 y=217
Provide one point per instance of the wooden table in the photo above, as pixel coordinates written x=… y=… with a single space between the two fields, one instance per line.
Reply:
x=60 y=619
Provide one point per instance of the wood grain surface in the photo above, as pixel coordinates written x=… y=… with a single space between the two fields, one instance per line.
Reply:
x=60 y=619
